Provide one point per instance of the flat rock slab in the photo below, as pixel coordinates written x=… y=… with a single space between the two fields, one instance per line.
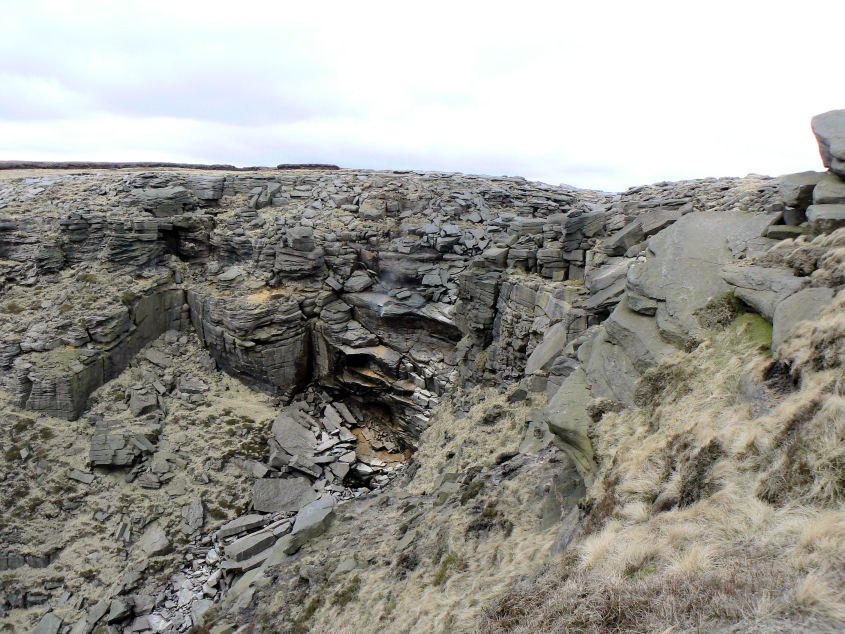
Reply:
x=81 y=476
x=281 y=495
x=158 y=358
x=192 y=386
x=293 y=437
x=154 y=541
x=246 y=547
x=783 y=232
x=241 y=524
x=49 y=624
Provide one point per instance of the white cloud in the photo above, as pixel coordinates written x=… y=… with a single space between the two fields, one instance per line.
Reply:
x=607 y=95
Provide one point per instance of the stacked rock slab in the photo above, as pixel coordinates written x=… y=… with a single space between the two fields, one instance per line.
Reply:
x=827 y=213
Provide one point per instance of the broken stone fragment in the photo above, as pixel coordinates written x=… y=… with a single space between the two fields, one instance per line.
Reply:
x=347 y=415
x=331 y=419
x=339 y=469
x=118 y=610
x=142 y=402
x=97 y=612
x=241 y=524
x=154 y=541
x=158 y=358
x=49 y=624
x=346 y=436
x=198 y=608
x=292 y=436
x=281 y=495
x=307 y=466
x=349 y=457
x=193 y=516
x=311 y=521
x=80 y=476
x=191 y=386
x=245 y=547
x=346 y=565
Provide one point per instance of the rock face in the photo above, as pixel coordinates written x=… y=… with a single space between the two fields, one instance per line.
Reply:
x=307 y=282
x=265 y=345
x=800 y=306
x=58 y=381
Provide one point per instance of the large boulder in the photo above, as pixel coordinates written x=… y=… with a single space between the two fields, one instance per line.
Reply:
x=830 y=190
x=797 y=189
x=154 y=541
x=311 y=521
x=826 y=218
x=553 y=343
x=829 y=128
x=803 y=305
x=638 y=336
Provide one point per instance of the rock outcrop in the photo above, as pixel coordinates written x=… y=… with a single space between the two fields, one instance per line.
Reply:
x=365 y=309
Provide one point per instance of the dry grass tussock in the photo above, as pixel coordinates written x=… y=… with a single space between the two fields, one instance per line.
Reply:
x=710 y=512
x=822 y=258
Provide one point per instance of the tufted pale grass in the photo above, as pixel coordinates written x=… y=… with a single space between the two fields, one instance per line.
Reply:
x=763 y=546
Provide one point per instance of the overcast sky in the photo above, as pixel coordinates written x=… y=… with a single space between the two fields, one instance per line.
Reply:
x=592 y=93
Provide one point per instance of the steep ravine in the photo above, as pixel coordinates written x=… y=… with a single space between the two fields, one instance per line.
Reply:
x=307 y=399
